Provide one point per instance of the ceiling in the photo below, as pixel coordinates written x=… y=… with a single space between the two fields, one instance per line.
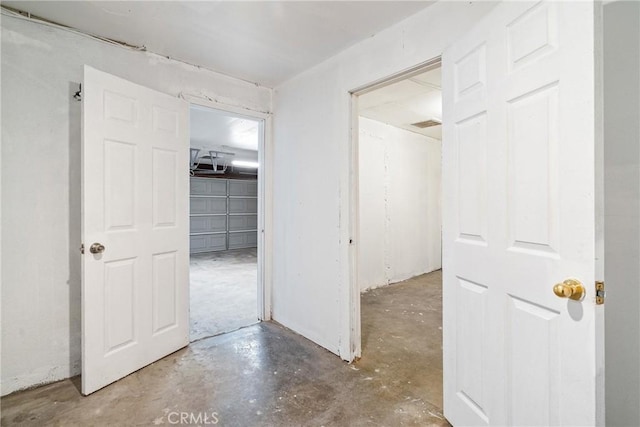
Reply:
x=409 y=101
x=400 y=104
x=216 y=130
x=265 y=42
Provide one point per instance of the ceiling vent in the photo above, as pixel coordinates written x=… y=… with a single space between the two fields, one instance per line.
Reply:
x=427 y=123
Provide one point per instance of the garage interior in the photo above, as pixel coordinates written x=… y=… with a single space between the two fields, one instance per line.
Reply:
x=223 y=235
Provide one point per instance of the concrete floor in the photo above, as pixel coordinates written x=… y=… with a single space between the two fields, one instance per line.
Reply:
x=223 y=292
x=265 y=375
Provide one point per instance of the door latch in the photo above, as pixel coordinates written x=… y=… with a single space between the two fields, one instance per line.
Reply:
x=600 y=293
x=82 y=248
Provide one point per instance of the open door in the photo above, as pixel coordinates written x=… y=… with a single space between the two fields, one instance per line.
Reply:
x=135 y=227
x=518 y=177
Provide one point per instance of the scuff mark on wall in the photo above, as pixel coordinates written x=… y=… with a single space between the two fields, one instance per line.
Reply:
x=193 y=97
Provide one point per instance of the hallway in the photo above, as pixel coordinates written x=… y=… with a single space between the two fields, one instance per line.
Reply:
x=266 y=375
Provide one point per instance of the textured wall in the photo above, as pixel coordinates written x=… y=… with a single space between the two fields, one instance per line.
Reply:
x=399 y=192
x=622 y=211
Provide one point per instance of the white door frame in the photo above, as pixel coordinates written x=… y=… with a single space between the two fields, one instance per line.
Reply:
x=355 y=321
x=265 y=196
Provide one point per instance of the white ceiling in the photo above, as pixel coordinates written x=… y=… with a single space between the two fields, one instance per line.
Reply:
x=219 y=131
x=265 y=42
x=409 y=101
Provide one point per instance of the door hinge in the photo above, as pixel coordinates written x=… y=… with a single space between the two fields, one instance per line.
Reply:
x=82 y=248
x=600 y=293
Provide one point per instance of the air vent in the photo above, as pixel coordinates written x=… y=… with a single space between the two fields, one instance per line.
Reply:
x=427 y=123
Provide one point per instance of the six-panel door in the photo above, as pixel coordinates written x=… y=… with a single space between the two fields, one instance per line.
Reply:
x=518 y=177
x=135 y=203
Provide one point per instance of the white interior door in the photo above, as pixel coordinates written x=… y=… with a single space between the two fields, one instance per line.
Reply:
x=134 y=190
x=518 y=178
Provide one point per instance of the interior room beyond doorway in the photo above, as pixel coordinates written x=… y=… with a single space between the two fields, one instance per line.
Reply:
x=399 y=180
x=399 y=227
x=223 y=222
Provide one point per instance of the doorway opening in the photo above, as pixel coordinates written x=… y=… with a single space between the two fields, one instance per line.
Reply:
x=397 y=142
x=224 y=221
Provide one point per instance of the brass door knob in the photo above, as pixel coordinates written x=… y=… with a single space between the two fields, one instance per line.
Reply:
x=570 y=288
x=96 y=248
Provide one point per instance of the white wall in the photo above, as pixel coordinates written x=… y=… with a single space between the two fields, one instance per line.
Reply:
x=622 y=212
x=41 y=69
x=399 y=204
x=311 y=272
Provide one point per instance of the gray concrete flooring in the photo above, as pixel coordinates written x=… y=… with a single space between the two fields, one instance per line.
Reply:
x=266 y=375
x=223 y=292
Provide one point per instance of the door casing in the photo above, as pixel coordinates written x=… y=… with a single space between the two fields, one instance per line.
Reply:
x=355 y=342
